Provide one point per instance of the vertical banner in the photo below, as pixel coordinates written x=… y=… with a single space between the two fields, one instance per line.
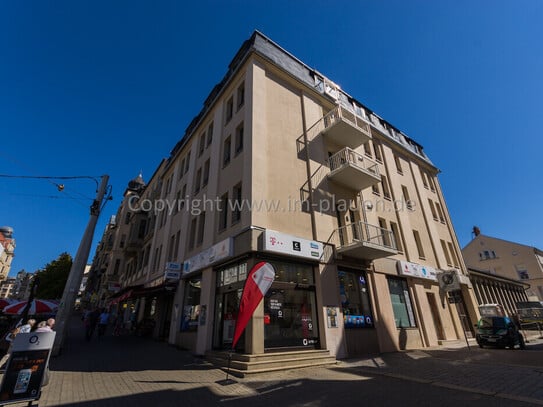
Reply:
x=258 y=283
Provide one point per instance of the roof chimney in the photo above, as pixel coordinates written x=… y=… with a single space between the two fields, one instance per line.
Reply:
x=476 y=231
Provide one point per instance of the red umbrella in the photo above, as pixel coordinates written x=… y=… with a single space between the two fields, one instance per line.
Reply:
x=4 y=302
x=37 y=307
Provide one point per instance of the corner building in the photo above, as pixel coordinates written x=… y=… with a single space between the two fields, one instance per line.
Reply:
x=283 y=166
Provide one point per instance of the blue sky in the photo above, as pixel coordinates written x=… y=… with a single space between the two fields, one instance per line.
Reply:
x=99 y=87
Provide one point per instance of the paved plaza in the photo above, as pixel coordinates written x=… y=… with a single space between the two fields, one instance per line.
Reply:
x=133 y=371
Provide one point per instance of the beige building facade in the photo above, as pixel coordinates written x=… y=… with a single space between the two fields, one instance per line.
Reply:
x=507 y=259
x=7 y=251
x=283 y=166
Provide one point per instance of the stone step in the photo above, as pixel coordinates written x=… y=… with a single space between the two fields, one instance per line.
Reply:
x=242 y=365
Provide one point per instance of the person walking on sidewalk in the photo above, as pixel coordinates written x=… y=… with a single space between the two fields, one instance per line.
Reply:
x=91 y=319
x=102 y=323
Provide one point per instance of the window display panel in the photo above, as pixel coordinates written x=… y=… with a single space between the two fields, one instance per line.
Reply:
x=355 y=301
x=290 y=313
x=191 y=304
x=401 y=303
x=290 y=318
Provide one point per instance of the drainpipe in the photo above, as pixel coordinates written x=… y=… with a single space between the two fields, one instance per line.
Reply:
x=308 y=170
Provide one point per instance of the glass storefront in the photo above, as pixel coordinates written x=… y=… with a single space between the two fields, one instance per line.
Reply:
x=355 y=301
x=290 y=313
x=191 y=304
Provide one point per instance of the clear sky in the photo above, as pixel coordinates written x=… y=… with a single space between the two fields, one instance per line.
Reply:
x=108 y=87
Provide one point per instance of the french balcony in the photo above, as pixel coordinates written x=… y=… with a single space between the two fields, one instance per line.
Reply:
x=352 y=170
x=345 y=128
x=361 y=240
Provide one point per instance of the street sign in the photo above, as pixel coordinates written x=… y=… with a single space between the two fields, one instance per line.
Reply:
x=26 y=367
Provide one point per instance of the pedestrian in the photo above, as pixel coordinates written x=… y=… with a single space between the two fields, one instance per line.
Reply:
x=10 y=337
x=26 y=328
x=46 y=326
x=102 y=322
x=91 y=319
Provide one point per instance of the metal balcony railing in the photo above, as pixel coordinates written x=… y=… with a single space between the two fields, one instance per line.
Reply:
x=341 y=115
x=348 y=156
x=362 y=232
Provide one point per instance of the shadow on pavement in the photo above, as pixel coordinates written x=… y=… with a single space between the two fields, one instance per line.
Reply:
x=375 y=391
x=120 y=353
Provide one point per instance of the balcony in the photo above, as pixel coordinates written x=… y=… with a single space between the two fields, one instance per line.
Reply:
x=344 y=128
x=352 y=170
x=364 y=241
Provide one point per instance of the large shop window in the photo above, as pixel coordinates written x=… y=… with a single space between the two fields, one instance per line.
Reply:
x=290 y=312
x=191 y=304
x=401 y=303
x=355 y=299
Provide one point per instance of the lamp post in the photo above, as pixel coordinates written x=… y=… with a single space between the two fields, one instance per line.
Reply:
x=78 y=268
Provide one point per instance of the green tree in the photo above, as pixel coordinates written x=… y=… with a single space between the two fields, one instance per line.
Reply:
x=53 y=277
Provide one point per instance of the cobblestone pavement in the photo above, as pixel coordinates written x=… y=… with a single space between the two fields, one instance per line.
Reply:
x=133 y=371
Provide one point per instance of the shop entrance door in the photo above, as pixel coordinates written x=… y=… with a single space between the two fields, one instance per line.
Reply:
x=226 y=310
x=435 y=316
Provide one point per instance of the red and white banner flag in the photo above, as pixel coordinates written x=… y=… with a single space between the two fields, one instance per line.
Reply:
x=258 y=283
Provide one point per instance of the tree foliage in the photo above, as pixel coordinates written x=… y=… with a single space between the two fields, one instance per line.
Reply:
x=53 y=277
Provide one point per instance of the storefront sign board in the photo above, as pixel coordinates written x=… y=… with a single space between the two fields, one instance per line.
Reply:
x=206 y=258
x=291 y=245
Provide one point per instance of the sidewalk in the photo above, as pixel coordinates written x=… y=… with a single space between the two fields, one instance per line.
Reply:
x=133 y=371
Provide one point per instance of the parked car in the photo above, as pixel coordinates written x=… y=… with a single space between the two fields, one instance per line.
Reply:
x=498 y=331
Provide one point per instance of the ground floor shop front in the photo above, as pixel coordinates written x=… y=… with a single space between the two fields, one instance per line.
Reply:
x=343 y=307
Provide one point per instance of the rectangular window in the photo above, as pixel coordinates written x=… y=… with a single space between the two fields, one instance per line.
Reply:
x=377 y=149
x=229 y=110
x=205 y=180
x=176 y=248
x=386 y=189
x=236 y=209
x=187 y=163
x=201 y=144
x=401 y=303
x=446 y=252
x=419 y=244
x=522 y=272
x=375 y=189
x=123 y=241
x=396 y=236
x=192 y=235
x=433 y=209
x=201 y=228
x=406 y=198
x=453 y=254
x=241 y=95
x=171 y=245
x=183 y=196
x=239 y=139
x=197 y=180
x=424 y=180
x=227 y=147
x=355 y=299
x=182 y=168
x=367 y=149
x=191 y=304
x=440 y=213
x=431 y=183
x=398 y=164
x=209 y=134
x=386 y=236
x=223 y=212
